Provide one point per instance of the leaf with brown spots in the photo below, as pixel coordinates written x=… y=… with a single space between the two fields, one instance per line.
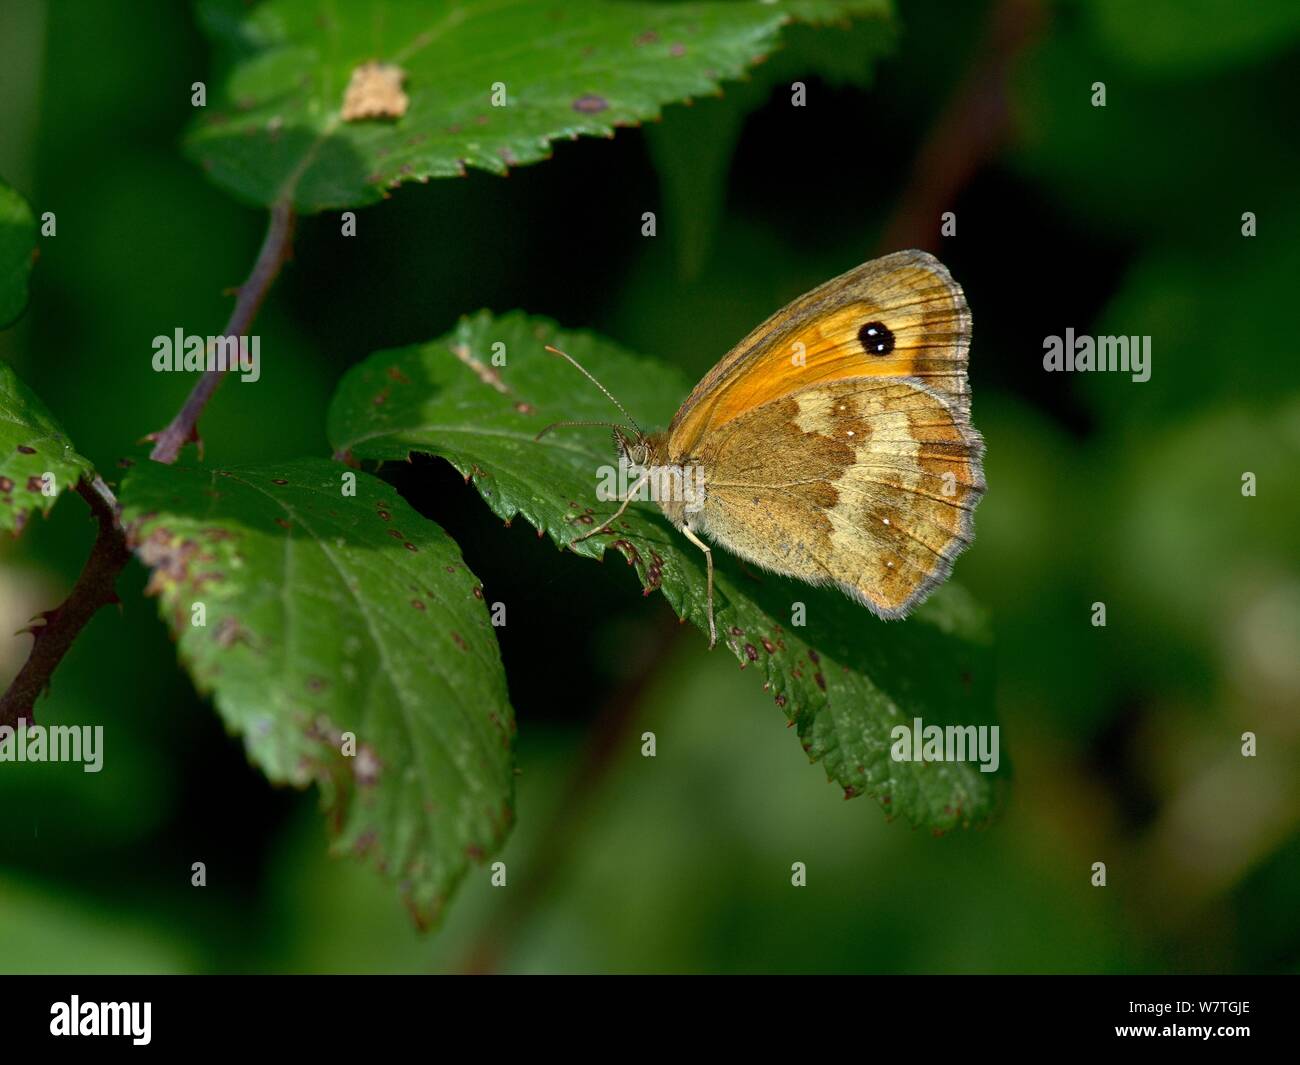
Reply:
x=318 y=624
x=291 y=121
x=32 y=444
x=845 y=679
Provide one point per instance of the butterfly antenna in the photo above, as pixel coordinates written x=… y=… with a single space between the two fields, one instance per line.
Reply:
x=560 y=425
x=608 y=394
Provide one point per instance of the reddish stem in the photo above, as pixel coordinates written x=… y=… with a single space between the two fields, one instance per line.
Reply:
x=61 y=626
x=275 y=249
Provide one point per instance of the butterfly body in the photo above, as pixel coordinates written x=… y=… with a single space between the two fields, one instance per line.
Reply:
x=834 y=443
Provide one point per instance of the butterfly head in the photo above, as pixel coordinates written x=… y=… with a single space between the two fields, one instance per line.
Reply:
x=635 y=446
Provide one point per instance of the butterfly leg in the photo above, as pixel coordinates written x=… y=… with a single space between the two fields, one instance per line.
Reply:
x=708 y=558
x=631 y=494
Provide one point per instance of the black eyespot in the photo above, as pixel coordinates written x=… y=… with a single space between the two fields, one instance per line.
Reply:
x=876 y=339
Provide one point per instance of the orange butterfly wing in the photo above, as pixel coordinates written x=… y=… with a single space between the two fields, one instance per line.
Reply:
x=898 y=316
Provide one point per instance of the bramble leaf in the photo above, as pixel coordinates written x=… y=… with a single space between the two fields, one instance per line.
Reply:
x=488 y=84
x=36 y=460
x=327 y=616
x=845 y=679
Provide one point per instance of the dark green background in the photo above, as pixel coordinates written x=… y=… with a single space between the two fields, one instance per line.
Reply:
x=1126 y=739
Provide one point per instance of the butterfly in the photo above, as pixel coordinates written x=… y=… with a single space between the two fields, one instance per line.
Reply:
x=833 y=444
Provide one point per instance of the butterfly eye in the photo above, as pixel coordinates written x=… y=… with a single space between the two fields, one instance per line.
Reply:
x=876 y=339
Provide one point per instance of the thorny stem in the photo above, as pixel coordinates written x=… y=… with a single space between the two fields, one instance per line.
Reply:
x=94 y=588
x=275 y=249
x=55 y=630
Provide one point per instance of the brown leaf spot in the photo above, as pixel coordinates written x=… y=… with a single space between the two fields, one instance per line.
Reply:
x=229 y=632
x=590 y=104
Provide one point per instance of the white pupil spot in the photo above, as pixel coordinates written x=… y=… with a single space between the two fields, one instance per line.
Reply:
x=850 y=432
x=886 y=520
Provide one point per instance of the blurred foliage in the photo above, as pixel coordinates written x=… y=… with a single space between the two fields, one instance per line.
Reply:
x=1121 y=219
x=17 y=252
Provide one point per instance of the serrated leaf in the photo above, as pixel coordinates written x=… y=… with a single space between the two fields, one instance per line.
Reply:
x=583 y=67
x=36 y=460
x=17 y=252
x=329 y=614
x=845 y=680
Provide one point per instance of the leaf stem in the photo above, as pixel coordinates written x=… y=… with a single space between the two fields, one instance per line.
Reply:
x=275 y=250
x=94 y=588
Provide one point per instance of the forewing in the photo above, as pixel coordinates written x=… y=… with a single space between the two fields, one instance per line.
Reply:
x=819 y=338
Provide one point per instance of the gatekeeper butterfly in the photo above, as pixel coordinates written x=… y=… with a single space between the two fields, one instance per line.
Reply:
x=832 y=444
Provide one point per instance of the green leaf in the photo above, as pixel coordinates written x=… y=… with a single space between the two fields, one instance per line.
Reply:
x=329 y=614
x=274 y=128
x=36 y=460
x=17 y=252
x=845 y=680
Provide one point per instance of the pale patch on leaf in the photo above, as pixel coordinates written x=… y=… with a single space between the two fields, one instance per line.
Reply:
x=572 y=68
x=375 y=91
